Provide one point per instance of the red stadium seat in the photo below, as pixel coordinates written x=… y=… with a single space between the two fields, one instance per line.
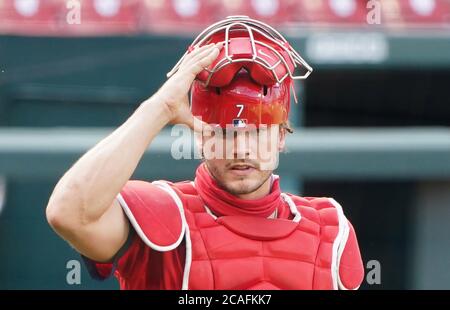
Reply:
x=108 y=17
x=177 y=16
x=103 y=17
x=29 y=17
x=274 y=12
x=407 y=12
x=331 y=11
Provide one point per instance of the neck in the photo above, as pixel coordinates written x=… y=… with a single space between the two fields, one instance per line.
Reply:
x=261 y=192
x=262 y=202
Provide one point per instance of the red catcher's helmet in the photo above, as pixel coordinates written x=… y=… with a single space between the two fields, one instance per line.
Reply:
x=251 y=79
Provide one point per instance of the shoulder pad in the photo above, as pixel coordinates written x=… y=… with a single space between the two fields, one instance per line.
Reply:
x=351 y=268
x=347 y=265
x=156 y=213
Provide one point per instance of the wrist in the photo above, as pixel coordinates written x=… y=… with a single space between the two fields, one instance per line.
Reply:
x=157 y=108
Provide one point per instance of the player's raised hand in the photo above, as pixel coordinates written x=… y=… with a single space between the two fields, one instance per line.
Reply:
x=174 y=93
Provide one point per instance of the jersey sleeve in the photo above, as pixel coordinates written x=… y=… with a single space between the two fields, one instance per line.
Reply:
x=149 y=259
x=103 y=270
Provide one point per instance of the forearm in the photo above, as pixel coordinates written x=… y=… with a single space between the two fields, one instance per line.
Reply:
x=89 y=187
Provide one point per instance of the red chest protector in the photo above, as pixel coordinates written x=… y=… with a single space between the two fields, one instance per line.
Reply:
x=315 y=249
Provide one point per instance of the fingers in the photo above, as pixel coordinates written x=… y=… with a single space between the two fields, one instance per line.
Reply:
x=205 y=61
x=203 y=58
x=205 y=53
x=194 y=53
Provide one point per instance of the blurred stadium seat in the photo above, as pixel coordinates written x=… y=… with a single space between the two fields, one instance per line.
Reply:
x=100 y=17
x=331 y=11
x=29 y=17
x=271 y=11
x=177 y=16
x=416 y=12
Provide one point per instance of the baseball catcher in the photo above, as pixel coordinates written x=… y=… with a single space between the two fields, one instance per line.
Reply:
x=231 y=227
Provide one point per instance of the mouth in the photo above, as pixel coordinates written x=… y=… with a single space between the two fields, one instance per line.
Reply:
x=242 y=169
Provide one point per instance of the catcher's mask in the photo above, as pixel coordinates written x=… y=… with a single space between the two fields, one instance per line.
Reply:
x=250 y=81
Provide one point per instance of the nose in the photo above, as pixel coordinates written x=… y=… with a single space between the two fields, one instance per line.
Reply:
x=241 y=149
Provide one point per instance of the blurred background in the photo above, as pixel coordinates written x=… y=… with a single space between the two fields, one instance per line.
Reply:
x=372 y=123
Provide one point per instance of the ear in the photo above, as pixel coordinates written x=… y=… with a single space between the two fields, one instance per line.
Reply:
x=282 y=139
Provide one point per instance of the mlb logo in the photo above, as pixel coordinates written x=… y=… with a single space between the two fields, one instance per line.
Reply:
x=239 y=123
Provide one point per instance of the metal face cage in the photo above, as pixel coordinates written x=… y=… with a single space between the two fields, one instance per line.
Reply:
x=254 y=30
